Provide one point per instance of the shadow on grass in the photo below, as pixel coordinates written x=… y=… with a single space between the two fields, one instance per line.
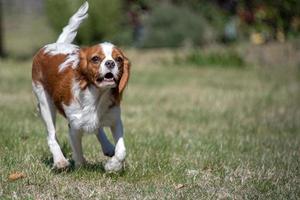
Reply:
x=93 y=167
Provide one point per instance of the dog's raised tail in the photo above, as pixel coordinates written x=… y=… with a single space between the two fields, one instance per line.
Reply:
x=70 y=31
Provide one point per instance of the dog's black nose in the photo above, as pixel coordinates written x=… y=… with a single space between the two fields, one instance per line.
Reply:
x=110 y=64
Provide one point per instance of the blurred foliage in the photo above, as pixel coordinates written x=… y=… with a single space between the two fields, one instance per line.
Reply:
x=228 y=58
x=273 y=19
x=173 y=26
x=173 y=23
x=104 y=20
x=214 y=15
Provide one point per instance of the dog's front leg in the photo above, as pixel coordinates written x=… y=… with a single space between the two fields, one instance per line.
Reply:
x=75 y=140
x=116 y=162
x=107 y=148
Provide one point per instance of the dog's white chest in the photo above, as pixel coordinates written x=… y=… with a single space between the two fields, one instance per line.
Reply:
x=91 y=110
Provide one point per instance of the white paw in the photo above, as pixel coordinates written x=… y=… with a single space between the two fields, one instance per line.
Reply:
x=113 y=165
x=61 y=164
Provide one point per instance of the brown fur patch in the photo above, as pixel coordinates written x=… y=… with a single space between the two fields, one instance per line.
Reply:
x=57 y=84
x=88 y=71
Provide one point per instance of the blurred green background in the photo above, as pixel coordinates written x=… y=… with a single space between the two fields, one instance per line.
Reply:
x=26 y=25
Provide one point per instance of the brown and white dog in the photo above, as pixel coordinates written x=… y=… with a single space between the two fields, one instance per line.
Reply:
x=85 y=85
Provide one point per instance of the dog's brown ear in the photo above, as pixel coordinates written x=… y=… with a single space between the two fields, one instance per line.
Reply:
x=82 y=68
x=125 y=75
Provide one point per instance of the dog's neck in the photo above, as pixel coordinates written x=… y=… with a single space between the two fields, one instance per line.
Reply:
x=100 y=96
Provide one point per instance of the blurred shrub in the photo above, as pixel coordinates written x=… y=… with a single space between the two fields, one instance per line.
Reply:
x=103 y=23
x=170 y=26
x=217 y=59
x=214 y=16
x=123 y=36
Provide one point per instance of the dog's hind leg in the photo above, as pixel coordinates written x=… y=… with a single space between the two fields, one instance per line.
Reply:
x=48 y=114
x=75 y=137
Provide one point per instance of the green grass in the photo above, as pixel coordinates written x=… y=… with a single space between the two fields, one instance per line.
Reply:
x=228 y=58
x=221 y=132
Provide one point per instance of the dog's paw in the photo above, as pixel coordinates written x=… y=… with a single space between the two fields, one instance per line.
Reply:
x=109 y=152
x=61 y=164
x=113 y=165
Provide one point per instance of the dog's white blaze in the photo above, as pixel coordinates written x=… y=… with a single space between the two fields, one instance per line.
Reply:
x=72 y=52
x=107 y=49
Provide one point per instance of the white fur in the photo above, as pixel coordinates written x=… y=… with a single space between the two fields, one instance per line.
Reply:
x=70 y=50
x=60 y=48
x=70 y=31
x=90 y=109
x=48 y=112
x=107 y=49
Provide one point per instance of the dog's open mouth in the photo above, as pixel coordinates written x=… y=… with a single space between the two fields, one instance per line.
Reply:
x=108 y=77
x=106 y=80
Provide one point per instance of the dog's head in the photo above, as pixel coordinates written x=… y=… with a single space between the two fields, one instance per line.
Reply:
x=105 y=66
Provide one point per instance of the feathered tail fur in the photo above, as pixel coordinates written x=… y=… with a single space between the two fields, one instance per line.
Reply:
x=70 y=31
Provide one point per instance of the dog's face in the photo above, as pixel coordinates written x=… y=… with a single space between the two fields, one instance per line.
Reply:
x=105 y=66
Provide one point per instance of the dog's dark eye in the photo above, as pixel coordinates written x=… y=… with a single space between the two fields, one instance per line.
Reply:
x=95 y=59
x=119 y=59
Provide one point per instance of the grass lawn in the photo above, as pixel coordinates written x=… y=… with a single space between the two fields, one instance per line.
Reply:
x=191 y=132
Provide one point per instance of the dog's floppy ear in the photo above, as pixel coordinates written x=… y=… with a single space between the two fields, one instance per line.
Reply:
x=82 y=68
x=125 y=75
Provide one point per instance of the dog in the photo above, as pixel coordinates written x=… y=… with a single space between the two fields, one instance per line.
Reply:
x=85 y=85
